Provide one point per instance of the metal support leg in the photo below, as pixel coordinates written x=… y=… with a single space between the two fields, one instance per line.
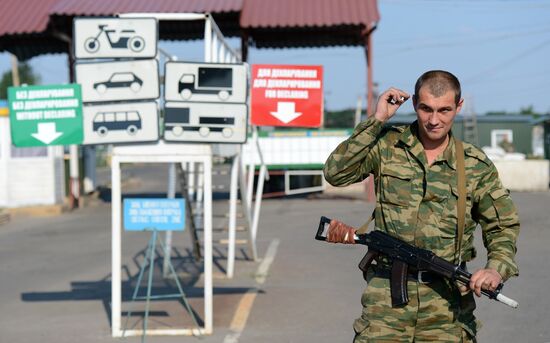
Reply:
x=245 y=201
x=171 y=194
x=233 y=215
x=150 y=249
x=149 y=285
x=258 y=204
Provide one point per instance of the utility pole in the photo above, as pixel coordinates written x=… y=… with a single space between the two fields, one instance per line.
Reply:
x=15 y=71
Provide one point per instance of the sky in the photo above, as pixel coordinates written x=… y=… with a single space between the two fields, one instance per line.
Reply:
x=499 y=49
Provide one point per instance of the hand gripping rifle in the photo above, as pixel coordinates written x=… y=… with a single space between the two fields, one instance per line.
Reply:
x=403 y=255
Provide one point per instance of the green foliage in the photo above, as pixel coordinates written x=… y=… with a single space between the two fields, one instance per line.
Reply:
x=26 y=75
x=343 y=119
x=527 y=110
x=497 y=113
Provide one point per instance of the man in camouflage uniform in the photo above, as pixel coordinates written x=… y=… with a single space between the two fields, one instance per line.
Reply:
x=415 y=170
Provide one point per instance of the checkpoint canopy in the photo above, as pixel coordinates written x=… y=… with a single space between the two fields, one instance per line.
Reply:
x=287 y=95
x=45 y=115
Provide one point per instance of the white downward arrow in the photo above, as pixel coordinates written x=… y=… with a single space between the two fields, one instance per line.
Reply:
x=46 y=133
x=286 y=112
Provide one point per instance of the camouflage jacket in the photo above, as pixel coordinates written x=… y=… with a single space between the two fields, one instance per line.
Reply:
x=417 y=202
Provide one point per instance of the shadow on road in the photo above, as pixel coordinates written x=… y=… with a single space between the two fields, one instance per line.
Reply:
x=187 y=268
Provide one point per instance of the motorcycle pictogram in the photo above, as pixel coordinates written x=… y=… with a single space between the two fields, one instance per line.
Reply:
x=127 y=40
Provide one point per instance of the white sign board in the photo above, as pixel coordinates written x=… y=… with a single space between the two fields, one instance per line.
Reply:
x=115 y=81
x=115 y=37
x=205 y=82
x=119 y=123
x=200 y=122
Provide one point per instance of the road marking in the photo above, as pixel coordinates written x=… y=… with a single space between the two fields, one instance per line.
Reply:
x=247 y=301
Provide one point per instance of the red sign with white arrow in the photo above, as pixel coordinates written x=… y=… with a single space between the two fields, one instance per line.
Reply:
x=287 y=95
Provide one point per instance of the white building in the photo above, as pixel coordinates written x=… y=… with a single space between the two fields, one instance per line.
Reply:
x=28 y=176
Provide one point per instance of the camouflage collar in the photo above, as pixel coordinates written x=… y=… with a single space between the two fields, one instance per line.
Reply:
x=409 y=137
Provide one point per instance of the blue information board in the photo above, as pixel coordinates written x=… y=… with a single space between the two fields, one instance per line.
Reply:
x=154 y=213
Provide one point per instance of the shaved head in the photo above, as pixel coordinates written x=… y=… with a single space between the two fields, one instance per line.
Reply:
x=437 y=83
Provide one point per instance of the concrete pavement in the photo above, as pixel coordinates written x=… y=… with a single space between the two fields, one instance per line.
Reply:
x=55 y=287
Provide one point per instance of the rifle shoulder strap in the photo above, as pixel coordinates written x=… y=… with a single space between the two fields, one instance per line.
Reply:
x=461 y=206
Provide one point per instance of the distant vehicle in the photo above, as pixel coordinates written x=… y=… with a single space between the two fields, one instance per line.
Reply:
x=210 y=80
x=127 y=40
x=120 y=80
x=129 y=121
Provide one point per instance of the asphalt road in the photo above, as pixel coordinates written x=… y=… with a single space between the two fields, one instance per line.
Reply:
x=55 y=286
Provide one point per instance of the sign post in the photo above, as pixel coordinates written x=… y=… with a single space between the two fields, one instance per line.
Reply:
x=156 y=214
x=45 y=115
x=287 y=95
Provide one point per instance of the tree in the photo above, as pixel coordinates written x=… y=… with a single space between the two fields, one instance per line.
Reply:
x=527 y=110
x=340 y=119
x=26 y=75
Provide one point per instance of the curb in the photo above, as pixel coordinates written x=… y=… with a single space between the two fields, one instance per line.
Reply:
x=37 y=211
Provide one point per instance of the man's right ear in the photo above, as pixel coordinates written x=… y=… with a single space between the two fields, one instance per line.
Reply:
x=414 y=101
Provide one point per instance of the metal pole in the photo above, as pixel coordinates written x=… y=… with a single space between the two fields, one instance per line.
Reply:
x=370 y=88
x=214 y=52
x=221 y=54
x=89 y=155
x=208 y=293
x=244 y=46
x=245 y=203
x=149 y=285
x=171 y=194
x=115 y=247
x=74 y=175
x=258 y=203
x=200 y=183
x=233 y=215
x=370 y=101
x=74 y=182
x=251 y=171
x=15 y=71
x=207 y=40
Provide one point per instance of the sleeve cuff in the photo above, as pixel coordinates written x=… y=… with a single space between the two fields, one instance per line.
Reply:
x=505 y=270
x=372 y=125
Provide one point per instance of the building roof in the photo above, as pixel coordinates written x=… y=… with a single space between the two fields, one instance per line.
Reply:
x=47 y=27
x=16 y=18
x=308 y=23
x=110 y=7
x=308 y=13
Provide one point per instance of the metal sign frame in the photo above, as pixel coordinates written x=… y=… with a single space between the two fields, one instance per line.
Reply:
x=160 y=153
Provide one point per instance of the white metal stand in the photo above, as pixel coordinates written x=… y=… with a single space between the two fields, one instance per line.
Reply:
x=160 y=153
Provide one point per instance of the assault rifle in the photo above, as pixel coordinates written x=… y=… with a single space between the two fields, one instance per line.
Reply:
x=403 y=255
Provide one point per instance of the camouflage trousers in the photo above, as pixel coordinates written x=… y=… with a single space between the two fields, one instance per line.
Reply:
x=433 y=314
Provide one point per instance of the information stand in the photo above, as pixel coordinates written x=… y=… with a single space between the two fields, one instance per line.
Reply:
x=149 y=262
x=160 y=152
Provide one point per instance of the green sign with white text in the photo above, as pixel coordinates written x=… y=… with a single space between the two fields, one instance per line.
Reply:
x=45 y=115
